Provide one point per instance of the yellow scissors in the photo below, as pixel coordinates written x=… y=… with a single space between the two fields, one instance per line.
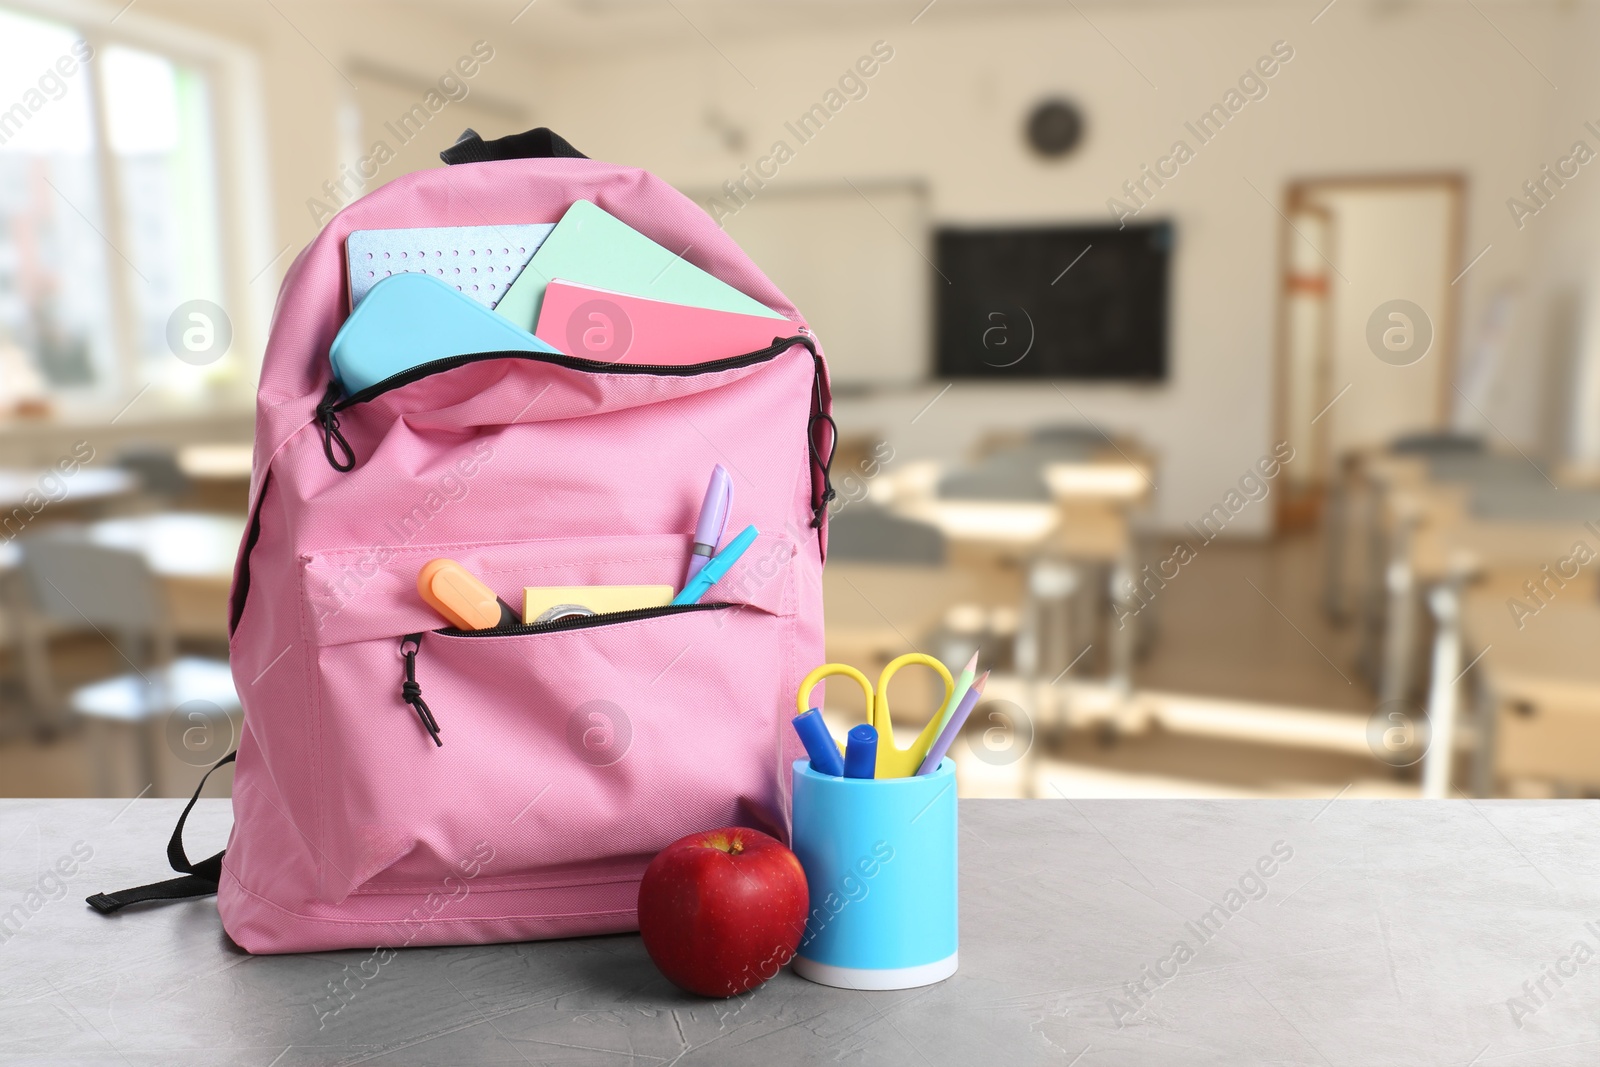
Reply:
x=892 y=762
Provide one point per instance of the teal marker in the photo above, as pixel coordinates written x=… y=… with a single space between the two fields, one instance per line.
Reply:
x=716 y=568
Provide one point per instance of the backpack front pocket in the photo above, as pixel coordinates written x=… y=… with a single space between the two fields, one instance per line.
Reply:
x=570 y=753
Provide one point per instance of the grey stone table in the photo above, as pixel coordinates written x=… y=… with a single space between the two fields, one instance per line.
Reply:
x=1386 y=933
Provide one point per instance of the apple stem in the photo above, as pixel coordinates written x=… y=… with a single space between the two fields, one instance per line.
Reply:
x=731 y=845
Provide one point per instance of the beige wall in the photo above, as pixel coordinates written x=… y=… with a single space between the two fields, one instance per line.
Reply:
x=1426 y=87
x=318 y=60
x=1371 y=88
x=1554 y=371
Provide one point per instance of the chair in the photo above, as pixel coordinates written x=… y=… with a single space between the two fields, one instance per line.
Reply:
x=887 y=584
x=1069 y=437
x=69 y=583
x=1534 y=502
x=160 y=476
x=1442 y=443
x=1012 y=475
x=1486 y=468
x=866 y=534
x=1350 y=504
x=1045 y=637
x=1045 y=444
x=18 y=710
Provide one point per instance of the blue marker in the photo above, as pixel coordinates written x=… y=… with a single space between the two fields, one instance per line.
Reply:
x=861 y=752
x=819 y=743
x=716 y=568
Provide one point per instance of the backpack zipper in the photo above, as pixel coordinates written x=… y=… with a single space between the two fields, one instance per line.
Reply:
x=582 y=622
x=592 y=366
x=411 y=644
x=328 y=408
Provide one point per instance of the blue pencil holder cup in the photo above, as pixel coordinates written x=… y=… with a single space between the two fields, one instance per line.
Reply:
x=880 y=862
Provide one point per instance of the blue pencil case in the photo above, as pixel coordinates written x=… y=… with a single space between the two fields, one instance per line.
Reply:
x=411 y=319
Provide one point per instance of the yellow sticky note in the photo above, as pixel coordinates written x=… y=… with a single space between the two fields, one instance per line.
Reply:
x=547 y=603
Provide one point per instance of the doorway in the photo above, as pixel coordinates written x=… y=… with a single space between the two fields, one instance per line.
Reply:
x=1367 y=321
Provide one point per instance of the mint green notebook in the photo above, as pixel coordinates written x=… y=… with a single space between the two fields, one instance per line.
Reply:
x=592 y=247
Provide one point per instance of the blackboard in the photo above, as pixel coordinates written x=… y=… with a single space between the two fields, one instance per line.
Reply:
x=1069 y=302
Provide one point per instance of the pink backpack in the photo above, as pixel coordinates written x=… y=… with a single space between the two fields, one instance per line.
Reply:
x=567 y=755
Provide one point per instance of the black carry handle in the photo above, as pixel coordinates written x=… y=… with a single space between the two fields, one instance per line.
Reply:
x=541 y=143
x=198 y=879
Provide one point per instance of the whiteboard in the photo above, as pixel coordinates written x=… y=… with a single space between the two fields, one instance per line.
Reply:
x=852 y=260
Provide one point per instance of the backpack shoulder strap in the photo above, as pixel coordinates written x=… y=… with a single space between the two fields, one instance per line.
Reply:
x=197 y=879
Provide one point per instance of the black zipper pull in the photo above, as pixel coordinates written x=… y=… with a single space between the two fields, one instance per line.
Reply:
x=329 y=421
x=827 y=494
x=820 y=500
x=411 y=692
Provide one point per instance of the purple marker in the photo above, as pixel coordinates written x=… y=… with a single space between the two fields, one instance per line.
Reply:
x=953 y=728
x=713 y=520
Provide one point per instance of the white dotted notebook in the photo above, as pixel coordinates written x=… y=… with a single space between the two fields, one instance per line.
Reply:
x=478 y=261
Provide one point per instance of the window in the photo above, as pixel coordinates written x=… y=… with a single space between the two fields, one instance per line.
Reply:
x=109 y=216
x=159 y=123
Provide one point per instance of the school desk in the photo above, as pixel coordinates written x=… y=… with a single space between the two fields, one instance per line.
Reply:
x=1381 y=932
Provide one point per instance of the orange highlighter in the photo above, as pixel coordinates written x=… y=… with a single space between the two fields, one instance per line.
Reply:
x=468 y=604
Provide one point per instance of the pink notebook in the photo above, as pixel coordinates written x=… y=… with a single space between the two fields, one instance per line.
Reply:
x=617 y=328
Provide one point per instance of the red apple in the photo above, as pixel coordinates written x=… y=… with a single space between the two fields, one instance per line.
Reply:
x=721 y=911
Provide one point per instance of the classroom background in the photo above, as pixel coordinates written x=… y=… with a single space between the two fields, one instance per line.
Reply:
x=1228 y=374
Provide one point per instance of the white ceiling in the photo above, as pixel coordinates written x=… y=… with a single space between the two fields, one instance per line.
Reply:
x=584 y=26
